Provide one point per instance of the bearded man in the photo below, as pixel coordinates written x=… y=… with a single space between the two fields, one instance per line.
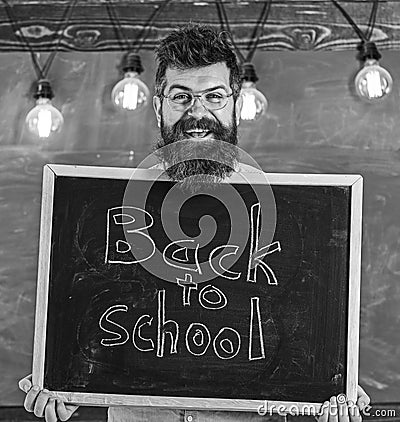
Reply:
x=197 y=105
x=197 y=102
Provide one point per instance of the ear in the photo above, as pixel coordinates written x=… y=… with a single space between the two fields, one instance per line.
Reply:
x=157 y=109
x=238 y=108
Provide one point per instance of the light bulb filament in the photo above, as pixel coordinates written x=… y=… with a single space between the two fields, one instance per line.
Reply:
x=249 y=107
x=130 y=96
x=374 y=84
x=44 y=123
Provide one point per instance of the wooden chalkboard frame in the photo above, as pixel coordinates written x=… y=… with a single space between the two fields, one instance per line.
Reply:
x=50 y=173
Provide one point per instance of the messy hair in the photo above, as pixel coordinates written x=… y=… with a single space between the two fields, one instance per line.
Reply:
x=194 y=46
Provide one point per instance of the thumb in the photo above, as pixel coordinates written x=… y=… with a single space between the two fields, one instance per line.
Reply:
x=25 y=384
x=65 y=411
x=363 y=398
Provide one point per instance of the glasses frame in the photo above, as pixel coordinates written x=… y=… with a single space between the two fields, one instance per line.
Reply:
x=194 y=95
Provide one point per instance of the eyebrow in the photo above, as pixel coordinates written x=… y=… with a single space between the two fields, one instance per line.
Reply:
x=185 y=88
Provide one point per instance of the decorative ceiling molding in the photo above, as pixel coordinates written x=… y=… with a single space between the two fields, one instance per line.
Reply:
x=291 y=25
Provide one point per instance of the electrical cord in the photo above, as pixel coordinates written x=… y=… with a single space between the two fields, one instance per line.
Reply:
x=41 y=71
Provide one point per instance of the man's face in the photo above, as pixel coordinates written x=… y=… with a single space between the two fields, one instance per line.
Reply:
x=196 y=80
x=198 y=125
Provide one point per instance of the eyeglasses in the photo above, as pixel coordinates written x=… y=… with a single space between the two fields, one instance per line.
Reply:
x=211 y=100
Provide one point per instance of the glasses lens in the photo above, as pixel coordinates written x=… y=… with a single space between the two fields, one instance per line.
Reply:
x=214 y=100
x=181 y=98
x=210 y=100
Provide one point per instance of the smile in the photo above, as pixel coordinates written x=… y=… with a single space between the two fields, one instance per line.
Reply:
x=198 y=133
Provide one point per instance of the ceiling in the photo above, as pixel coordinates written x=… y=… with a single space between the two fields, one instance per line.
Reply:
x=291 y=24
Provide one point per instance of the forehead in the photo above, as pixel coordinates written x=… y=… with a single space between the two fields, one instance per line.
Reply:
x=199 y=78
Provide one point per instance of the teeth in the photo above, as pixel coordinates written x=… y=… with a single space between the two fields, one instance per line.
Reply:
x=197 y=133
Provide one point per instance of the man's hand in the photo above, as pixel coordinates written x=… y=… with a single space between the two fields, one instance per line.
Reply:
x=363 y=398
x=338 y=409
x=42 y=404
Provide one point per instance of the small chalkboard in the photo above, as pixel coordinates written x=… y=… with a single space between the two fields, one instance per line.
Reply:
x=236 y=297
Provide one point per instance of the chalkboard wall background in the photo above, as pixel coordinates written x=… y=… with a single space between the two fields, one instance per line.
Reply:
x=314 y=125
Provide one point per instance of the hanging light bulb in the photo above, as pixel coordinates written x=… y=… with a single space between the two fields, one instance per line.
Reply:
x=131 y=93
x=254 y=103
x=44 y=119
x=372 y=82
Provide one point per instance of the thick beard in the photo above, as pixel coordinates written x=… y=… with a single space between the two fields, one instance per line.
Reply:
x=185 y=162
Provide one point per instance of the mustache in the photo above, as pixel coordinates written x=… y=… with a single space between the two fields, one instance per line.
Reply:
x=204 y=123
x=177 y=131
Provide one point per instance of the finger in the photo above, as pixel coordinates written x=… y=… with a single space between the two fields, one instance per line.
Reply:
x=50 y=410
x=333 y=410
x=362 y=398
x=64 y=412
x=40 y=403
x=323 y=415
x=354 y=413
x=30 y=398
x=342 y=408
x=25 y=384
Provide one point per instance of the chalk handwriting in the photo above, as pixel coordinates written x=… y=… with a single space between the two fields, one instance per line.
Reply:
x=161 y=335
x=255 y=303
x=137 y=335
x=183 y=254
x=165 y=327
x=136 y=235
x=197 y=339
x=256 y=255
x=206 y=298
x=220 y=270
x=188 y=285
x=226 y=344
x=122 y=336
x=188 y=264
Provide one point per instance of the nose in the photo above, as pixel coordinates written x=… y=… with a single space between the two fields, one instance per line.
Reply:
x=197 y=110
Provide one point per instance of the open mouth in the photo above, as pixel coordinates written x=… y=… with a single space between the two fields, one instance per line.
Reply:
x=197 y=133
